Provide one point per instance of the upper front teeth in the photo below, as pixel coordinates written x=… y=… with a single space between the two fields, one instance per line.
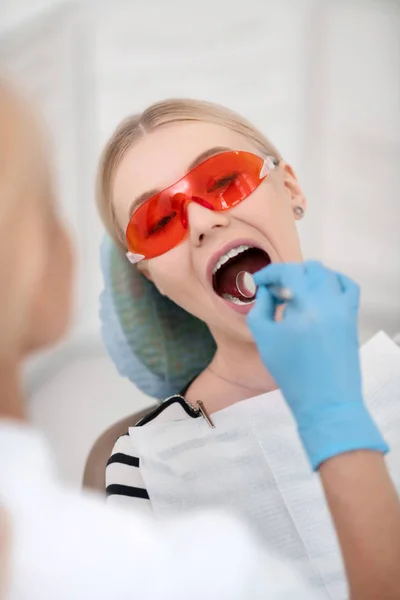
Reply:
x=230 y=254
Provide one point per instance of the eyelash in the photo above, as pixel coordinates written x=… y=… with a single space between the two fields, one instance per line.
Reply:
x=222 y=183
x=161 y=223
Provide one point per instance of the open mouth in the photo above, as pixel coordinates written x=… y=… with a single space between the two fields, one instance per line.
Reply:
x=227 y=268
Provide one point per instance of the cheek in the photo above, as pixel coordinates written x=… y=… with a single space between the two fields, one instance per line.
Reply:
x=173 y=283
x=265 y=207
x=272 y=203
x=170 y=272
x=269 y=211
x=174 y=277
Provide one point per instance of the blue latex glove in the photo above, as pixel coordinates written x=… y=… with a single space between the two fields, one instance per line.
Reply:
x=313 y=355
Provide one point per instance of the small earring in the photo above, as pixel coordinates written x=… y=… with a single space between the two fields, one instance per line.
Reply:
x=299 y=211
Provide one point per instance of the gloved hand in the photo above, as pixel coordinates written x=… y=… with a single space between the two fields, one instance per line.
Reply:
x=313 y=355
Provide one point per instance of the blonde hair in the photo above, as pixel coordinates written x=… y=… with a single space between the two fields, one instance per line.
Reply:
x=134 y=128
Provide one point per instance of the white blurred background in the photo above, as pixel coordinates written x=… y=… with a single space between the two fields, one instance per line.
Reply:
x=320 y=77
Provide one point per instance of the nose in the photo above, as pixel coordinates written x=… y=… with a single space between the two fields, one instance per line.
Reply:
x=203 y=222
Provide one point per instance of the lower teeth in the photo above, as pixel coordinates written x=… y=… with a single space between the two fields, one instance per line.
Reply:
x=235 y=300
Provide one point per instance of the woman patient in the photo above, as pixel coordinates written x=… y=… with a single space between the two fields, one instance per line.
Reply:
x=197 y=197
x=195 y=267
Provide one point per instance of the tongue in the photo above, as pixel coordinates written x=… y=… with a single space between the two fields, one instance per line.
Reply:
x=251 y=261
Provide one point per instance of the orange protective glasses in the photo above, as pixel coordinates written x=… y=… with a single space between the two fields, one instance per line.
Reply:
x=219 y=183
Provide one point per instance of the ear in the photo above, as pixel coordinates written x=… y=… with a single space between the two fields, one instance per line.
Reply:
x=293 y=189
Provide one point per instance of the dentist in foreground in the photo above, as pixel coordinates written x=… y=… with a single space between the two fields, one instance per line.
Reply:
x=56 y=544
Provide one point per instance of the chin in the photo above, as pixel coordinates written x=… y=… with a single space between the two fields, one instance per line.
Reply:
x=238 y=332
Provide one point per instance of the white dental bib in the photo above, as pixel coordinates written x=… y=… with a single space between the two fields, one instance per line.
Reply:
x=253 y=463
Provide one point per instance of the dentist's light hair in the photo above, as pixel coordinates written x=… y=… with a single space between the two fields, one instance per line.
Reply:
x=24 y=201
x=134 y=128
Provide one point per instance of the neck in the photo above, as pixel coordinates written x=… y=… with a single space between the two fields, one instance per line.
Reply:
x=11 y=402
x=239 y=362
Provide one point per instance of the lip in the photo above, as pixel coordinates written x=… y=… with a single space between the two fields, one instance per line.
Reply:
x=223 y=250
x=242 y=309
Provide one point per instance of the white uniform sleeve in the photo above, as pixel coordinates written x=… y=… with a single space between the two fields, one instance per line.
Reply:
x=68 y=547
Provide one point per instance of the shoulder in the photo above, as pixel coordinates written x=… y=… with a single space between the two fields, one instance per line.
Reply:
x=93 y=477
x=124 y=481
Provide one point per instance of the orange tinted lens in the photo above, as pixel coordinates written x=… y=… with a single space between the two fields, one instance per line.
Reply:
x=227 y=179
x=219 y=183
x=156 y=226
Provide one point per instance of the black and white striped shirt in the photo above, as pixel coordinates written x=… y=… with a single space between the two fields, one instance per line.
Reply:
x=124 y=482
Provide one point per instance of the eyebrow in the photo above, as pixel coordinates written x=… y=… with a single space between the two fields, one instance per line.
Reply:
x=197 y=161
